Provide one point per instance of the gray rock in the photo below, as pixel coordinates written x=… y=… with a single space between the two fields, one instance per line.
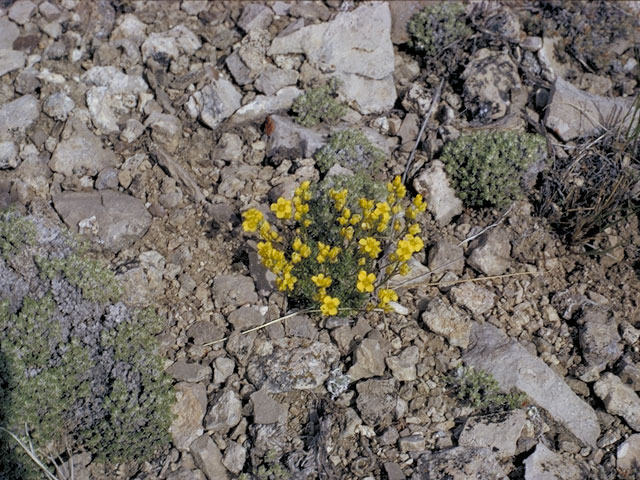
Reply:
x=290 y=140
x=294 y=364
x=543 y=464
x=183 y=371
x=489 y=78
x=27 y=80
x=239 y=70
x=445 y=256
x=599 y=339
x=119 y=219
x=188 y=411
x=166 y=130
x=357 y=46
x=411 y=443
x=8 y=155
x=58 y=106
x=132 y=130
x=409 y=129
x=273 y=79
x=473 y=297
x=215 y=102
x=21 y=11
x=203 y=332
x=223 y=369
x=233 y=291
x=208 y=458
x=168 y=46
x=628 y=455
x=177 y=172
x=255 y=16
x=433 y=185
x=445 y=320
x=225 y=413
x=369 y=360
x=245 y=317
x=129 y=27
x=629 y=372
x=310 y=10
x=266 y=409
x=491 y=252
x=81 y=154
x=107 y=179
x=18 y=114
x=513 y=366
x=194 y=7
x=49 y=11
x=377 y=401
x=185 y=474
x=459 y=463
x=619 y=399
x=229 y=147
x=235 y=455
x=403 y=366
x=499 y=432
x=9 y=31
x=263 y=105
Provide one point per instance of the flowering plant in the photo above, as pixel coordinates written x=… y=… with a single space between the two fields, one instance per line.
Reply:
x=336 y=262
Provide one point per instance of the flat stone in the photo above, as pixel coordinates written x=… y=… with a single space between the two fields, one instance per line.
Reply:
x=377 y=400
x=183 y=473
x=183 y=371
x=27 y=81
x=273 y=79
x=513 y=366
x=628 y=455
x=49 y=11
x=599 y=338
x=403 y=366
x=393 y=471
x=293 y=364
x=290 y=140
x=119 y=219
x=446 y=256
x=194 y=7
x=543 y=464
x=432 y=183
x=235 y=456
x=245 y=317
x=166 y=130
x=411 y=443
x=443 y=319
x=223 y=369
x=263 y=105
x=204 y=331
x=473 y=297
x=9 y=31
x=619 y=399
x=459 y=463
x=255 y=16
x=18 y=114
x=499 y=432
x=369 y=360
x=233 y=290
x=629 y=372
x=239 y=70
x=21 y=11
x=58 y=106
x=267 y=410
x=491 y=252
x=208 y=458
x=168 y=46
x=216 y=102
x=225 y=413
x=188 y=413
x=129 y=27
x=8 y=155
x=132 y=130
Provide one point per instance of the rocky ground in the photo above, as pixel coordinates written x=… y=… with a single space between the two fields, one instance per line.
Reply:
x=149 y=126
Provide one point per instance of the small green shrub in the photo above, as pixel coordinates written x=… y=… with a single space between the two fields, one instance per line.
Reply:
x=270 y=469
x=481 y=391
x=318 y=105
x=16 y=232
x=486 y=167
x=350 y=149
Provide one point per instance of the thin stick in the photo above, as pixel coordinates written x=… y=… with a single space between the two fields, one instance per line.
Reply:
x=495 y=224
x=32 y=454
x=493 y=277
x=425 y=121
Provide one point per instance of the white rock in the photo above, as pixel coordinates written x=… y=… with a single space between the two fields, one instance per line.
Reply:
x=9 y=31
x=58 y=106
x=619 y=399
x=432 y=183
x=543 y=464
x=11 y=60
x=8 y=155
x=21 y=11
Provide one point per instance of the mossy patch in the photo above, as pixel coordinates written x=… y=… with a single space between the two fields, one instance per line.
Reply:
x=350 y=149
x=319 y=105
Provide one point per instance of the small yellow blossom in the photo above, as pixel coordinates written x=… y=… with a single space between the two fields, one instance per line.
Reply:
x=355 y=219
x=414 y=229
x=323 y=252
x=419 y=203
x=362 y=261
x=252 y=219
x=347 y=232
x=404 y=269
x=282 y=208
x=321 y=281
x=365 y=281
x=286 y=282
x=370 y=246
x=329 y=305
x=296 y=258
x=333 y=253
x=387 y=295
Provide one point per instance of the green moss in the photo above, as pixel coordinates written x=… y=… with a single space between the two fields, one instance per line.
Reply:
x=270 y=469
x=16 y=232
x=318 y=105
x=436 y=27
x=486 y=167
x=351 y=149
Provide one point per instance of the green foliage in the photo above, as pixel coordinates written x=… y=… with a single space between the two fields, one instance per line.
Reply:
x=436 y=27
x=319 y=105
x=486 y=167
x=481 y=391
x=270 y=469
x=16 y=232
x=351 y=149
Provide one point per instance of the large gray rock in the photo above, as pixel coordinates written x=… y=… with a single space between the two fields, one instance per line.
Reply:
x=446 y=320
x=11 y=60
x=491 y=253
x=225 y=413
x=473 y=297
x=21 y=11
x=188 y=412
x=18 y=114
x=628 y=454
x=599 y=339
x=214 y=103
x=263 y=105
x=255 y=16
x=233 y=291
x=513 y=366
x=403 y=366
x=459 y=463
x=58 y=106
x=377 y=401
x=184 y=371
x=432 y=183
x=357 y=46
x=8 y=155
x=619 y=399
x=116 y=219
x=543 y=464
x=9 y=31
x=499 y=432
x=168 y=46
x=290 y=140
x=208 y=458
x=369 y=360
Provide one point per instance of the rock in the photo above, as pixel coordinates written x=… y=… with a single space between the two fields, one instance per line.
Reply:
x=267 y=410
x=185 y=474
x=255 y=16
x=599 y=339
x=119 y=219
x=499 y=432
x=8 y=155
x=11 y=60
x=619 y=399
x=203 y=332
x=369 y=360
x=21 y=11
x=245 y=317
x=167 y=46
x=445 y=256
x=543 y=464
x=129 y=27
x=393 y=471
x=27 y=80
x=215 y=103
x=377 y=400
x=433 y=185
x=628 y=455
x=310 y=11
x=491 y=252
x=194 y=7
x=224 y=368
x=49 y=11
x=629 y=372
x=233 y=291
x=208 y=458
x=183 y=371
x=489 y=78
x=293 y=364
x=166 y=130
x=238 y=69
x=81 y=154
x=8 y=33
x=594 y=113
x=225 y=413
x=290 y=140
x=459 y=463
x=411 y=443
x=513 y=366
x=409 y=130
x=178 y=172
x=356 y=45
x=235 y=455
x=403 y=366
x=445 y=320
x=263 y=105
x=273 y=79
x=58 y=106
x=188 y=411
x=132 y=130
x=401 y=13
x=18 y=114
x=473 y=297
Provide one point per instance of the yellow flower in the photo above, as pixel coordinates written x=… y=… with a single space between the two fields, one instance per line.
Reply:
x=355 y=219
x=286 y=282
x=370 y=246
x=297 y=243
x=329 y=305
x=296 y=258
x=305 y=250
x=333 y=253
x=365 y=204
x=321 y=281
x=339 y=198
x=414 y=229
x=411 y=213
x=323 y=252
x=416 y=242
x=404 y=250
x=404 y=269
x=397 y=225
x=252 y=219
x=419 y=203
x=362 y=261
x=399 y=189
x=387 y=295
x=365 y=281
x=282 y=208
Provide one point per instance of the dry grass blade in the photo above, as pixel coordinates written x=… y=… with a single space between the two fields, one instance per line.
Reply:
x=31 y=452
